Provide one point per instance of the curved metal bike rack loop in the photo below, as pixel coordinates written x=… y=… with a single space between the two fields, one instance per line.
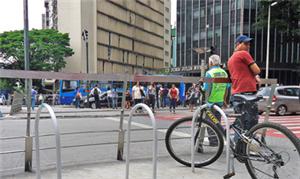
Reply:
x=196 y=113
x=37 y=141
x=154 y=159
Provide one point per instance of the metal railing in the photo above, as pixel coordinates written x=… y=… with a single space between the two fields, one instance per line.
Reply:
x=37 y=140
x=154 y=159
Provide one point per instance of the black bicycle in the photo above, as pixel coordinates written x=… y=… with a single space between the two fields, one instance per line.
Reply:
x=269 y=150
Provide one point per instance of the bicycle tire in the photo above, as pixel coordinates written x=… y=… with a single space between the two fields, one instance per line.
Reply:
x=294 y=141
x=212 y=126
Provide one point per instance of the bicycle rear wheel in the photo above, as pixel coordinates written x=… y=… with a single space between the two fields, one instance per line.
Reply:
x=273 y=152
x=209 y=142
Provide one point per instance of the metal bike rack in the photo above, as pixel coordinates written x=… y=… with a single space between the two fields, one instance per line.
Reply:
x=37 y=141
x=196 y=113
x=154 y=159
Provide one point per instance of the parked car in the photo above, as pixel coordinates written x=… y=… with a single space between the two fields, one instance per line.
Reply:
x=103 y=101
x=285 y=100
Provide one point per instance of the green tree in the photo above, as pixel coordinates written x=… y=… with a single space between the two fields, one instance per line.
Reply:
x=285 y=17
x=48 y=49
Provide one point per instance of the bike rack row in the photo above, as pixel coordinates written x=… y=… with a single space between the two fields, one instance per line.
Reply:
x=58 y=144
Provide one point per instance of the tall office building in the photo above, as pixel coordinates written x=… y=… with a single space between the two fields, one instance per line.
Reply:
x=216 y=23
x=167 y=34
x=123 y=35
x=49 y=18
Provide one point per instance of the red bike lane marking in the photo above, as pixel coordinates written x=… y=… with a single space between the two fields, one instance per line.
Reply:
x=287 y=121
x=171 y=117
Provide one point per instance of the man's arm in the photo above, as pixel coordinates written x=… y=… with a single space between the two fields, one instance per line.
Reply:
x=254 y=68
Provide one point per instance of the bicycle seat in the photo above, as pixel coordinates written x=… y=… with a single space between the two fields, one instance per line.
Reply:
x=248 y=98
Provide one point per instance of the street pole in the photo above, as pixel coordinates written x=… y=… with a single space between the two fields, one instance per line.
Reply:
x=268 y=43
x=85 y=39
x=28 y=139
x=268 y=39
x=87 y=55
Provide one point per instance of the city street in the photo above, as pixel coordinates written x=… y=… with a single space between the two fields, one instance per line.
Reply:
x=99 y=146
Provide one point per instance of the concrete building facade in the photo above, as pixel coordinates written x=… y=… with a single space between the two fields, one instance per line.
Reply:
x=124 y=36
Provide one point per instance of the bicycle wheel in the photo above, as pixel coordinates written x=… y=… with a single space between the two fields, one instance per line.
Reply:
x=273 y=155
x=209 y=142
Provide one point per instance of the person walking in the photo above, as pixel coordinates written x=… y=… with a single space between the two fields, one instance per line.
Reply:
x=151 y=95
x=78 y=97
x=95 y=92
x=245 y=78
x=174 y=97
x=33 y=98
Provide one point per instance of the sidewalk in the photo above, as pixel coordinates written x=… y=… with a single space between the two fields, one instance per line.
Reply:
x=71 y=112
x=141 y=169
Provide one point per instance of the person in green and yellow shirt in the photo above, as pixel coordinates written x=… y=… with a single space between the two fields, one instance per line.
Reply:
x=217 y=92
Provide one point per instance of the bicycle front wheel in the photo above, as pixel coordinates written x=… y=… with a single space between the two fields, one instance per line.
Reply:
x=209 y=142
x=273 y=152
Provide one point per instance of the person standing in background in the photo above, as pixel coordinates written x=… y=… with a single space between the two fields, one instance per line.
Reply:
x=78 y=97
x=137 y=94
x=151 y=95
x=157 y=95
x=114 y=96
x=174 y=97
x=95 y=92
x=33 y=98
x=191 y=97
x=109 y=97
x=128 y=99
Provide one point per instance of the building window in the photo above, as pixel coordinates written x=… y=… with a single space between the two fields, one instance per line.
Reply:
x=166 y=42
x=167 y=9
x=202 y=12
x=167 y=31
x=166 y=53
x=167 y=20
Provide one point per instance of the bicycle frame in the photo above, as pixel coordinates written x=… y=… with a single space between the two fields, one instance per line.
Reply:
x=195 y=115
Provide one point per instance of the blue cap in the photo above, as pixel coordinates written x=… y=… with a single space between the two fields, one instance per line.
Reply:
x=242 y=38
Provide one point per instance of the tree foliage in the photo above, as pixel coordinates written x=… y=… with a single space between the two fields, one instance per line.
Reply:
x=285 y=17
x=48 y=49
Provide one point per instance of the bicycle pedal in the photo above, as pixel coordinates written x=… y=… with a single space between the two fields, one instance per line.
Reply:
x=229 y=175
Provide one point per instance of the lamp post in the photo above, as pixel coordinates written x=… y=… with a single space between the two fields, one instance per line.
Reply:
x=268 y=39
x=28 y=86
x=85 y=38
